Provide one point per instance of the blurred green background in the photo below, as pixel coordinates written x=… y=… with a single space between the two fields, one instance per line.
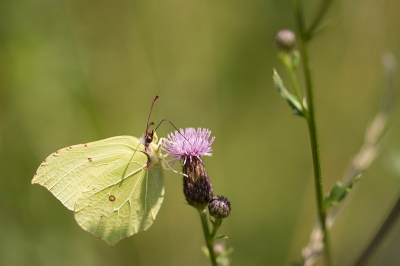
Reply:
x=77 y=71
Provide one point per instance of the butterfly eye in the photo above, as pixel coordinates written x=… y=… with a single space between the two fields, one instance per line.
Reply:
x=111 y=198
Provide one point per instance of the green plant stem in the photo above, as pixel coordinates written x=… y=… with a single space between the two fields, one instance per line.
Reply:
x=217 y=224
x=207 y=236
x=313 y=131
x=322 y=11
x=296 y=88
x=387 y=225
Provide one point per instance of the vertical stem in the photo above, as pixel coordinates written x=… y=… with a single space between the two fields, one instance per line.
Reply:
x=324 y=8
x=207 y=236
x=313 y=130
x=217 y=224
x=296 y=88
x=383 y=231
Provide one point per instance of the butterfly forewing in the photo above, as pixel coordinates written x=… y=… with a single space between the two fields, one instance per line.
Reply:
x=67 y=172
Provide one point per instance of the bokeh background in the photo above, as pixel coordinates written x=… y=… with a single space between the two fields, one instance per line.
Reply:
x=77 y=71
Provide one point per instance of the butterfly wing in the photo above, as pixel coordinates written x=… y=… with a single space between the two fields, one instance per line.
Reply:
x=120 y=205
x=108 y=184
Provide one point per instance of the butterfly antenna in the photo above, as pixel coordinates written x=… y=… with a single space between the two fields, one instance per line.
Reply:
x=174 y=127
x=151 y=109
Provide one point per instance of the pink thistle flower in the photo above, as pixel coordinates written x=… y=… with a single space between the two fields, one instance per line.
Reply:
x=189 y=144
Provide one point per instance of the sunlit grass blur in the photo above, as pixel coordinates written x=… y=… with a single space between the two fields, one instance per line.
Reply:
x=78 y=71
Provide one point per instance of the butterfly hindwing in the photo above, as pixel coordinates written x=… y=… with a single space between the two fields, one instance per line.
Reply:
x=124 y=208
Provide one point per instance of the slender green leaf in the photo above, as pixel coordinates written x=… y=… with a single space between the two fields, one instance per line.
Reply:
x=290 y=98
x=221 y=237
x=339 y=192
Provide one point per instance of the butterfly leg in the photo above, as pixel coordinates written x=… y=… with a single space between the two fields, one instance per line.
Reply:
x=159 y=144
x=167 y=166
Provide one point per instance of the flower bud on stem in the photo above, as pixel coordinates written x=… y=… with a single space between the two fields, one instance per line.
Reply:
x=285 y=40
x=190 y=145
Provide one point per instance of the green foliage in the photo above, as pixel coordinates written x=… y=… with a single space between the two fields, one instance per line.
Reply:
x=291 y=60
x=221 y=237
x=290 y=98
x=222 y=254
x=339 y=192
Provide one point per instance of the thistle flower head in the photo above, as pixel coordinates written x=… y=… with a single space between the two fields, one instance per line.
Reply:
x=219 y=207
x=188 y=144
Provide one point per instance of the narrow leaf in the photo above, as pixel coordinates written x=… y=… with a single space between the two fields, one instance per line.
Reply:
x=339 y=192
x=221 y=237
x=290 y=98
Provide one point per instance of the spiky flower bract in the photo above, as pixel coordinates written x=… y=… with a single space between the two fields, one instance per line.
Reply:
x=197 y=186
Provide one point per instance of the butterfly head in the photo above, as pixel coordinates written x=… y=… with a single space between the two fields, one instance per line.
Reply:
x=148 y=137
x=149 y=140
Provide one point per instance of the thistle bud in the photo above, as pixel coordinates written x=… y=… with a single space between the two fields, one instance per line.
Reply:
x=196 y=185
x=219 y=207
x=285 y=40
